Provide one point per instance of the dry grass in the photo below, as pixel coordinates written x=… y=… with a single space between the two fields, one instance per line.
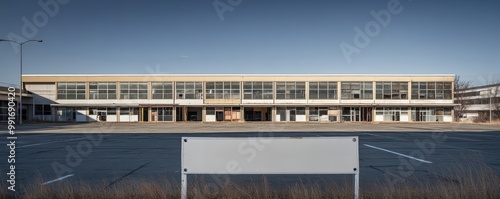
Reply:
x=469 y=179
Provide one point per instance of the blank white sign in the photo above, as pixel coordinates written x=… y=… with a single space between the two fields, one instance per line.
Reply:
x=270 y=155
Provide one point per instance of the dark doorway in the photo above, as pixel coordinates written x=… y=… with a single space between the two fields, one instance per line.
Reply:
x=219 y=116
x=178 y=114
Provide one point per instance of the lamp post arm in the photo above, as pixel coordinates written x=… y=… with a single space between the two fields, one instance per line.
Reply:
x=21 y=74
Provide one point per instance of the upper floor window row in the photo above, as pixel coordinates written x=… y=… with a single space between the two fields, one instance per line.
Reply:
x=431 y=90
x=357 y=90
x=323 y=90
x=189 y=90
x=392 y=90
x=162 y=90
x=253 y=90
x=133 y=90
x=71 y=90
x=290 y=90
x=102 y=90
x=223 y=90
x=258 y=90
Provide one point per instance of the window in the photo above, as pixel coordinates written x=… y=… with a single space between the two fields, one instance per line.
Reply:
x=42 y=109
x=323 y=114
x=258 y=90
x=357 y=90
x=431 y=90
x=111 y=111
x=133 y=90
x=189 y=90
x=392 y=90
x=129 y=111
x=223 y=90
x=163 y=114
x=290 y=90
x=210 y=111
x=162 y=90
x=322 y=90
x=102 y=90
x=70 y=90
x=387 y=114
x=431 y=114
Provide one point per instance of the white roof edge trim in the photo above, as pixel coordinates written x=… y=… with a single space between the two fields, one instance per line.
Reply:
x=208 y=75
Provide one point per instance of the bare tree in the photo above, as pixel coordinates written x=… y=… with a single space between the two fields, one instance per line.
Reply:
x=460 y=96
x=494 y=96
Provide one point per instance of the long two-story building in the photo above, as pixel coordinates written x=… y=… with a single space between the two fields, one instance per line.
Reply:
x=232 y=97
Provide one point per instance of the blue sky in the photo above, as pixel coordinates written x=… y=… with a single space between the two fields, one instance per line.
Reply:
x=256 y=36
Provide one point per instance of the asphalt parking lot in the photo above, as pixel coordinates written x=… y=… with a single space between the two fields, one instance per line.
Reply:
x=103 y=154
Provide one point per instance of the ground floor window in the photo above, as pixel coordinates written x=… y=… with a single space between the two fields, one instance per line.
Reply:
x=188 y=113
x=223 y=114
x=42 y=109
x=388 y=114
x=103 y=114
x=323 y=114
x=258 y=113
x=71 y=114
x=357 y=114
x=431 y=114
x=285 y=114
x=129 y=114
x=162 y=114
x=66 y=114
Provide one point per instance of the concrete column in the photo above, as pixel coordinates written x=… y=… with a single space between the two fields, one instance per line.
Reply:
x=174 y=114
x=242 y=114
x=273 y=114
x=150 y=118
x=409 y=114
x=150 y=92
x=204 y=114
x=374 y=91
x=87 y=90
x=118 y=92
x=409 y=91
x=184 y=113
x=117 y=114
x=307 y=113
x=374 y=109
x=339 y=89
x=307 y=92
x=452 y=114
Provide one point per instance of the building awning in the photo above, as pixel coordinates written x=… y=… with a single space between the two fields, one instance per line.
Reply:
x=158 y=105
x=95 y=105
x=249 y=105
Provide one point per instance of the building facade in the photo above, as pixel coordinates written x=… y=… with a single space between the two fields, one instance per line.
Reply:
x=212 y=98
x=478 y=103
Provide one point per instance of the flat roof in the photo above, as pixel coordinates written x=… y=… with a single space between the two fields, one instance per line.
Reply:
x=208 y=75
x=479 y=87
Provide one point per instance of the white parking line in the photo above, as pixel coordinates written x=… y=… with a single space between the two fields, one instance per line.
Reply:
x=424 y=161
x=58 y=179
x=42 y=143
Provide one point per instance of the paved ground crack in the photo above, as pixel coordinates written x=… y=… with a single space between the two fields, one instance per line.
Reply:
x=119 y=179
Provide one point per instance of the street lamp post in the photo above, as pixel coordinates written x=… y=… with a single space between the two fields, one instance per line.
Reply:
x=21 y=75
